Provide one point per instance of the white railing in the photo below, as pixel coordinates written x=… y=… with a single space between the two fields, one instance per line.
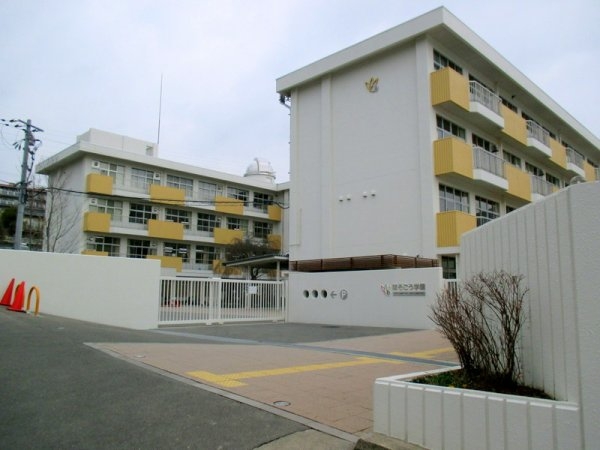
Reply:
x=443 y=133
x=540 y=186
x=481 y=94
x=574 y=157
x=488 y=161
x=196 y=300
x=535 y=131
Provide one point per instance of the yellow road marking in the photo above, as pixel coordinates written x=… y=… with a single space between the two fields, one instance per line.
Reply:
x=232 y=379
x=427 y=354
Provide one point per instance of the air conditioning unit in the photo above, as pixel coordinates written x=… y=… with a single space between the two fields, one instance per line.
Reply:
x=95 y=164
x=93 y=201
x=157 y=176
x=152 y=244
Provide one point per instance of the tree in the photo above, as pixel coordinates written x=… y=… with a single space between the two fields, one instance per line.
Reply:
x=60 y=217
x=482 y=318
x=9 y=220
x=248 y=247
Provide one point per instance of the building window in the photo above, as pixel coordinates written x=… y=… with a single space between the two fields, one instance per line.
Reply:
x=185 y=184
x=449 y=267
x=233 y=223
x=484 y=144
x=178 y=216
x=262 y=229
x=262 y=201
x=447 y=128
x=139 y=248
x=536 y=171
x=440 y=61
x=207 y=222
x=207 y=191
x=141 y=178
x=111 y=245
x=238 y=194
x=205 y=255
x=553 y=180
x=512 y=159
x=453 y=199
x=486 y=210
x=509 y=209
x=177 y=249
x=115 y=171
x=509 y=105
x=112 y=207
x=140 y=213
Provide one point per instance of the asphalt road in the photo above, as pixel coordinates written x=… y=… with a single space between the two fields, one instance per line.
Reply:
x=58 y=393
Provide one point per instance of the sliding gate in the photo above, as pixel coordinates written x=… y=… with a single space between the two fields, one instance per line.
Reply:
x=194 y=300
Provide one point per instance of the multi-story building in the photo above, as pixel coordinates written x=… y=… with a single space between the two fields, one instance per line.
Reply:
x=33 y=218
x=403 y=142
x=111 y=195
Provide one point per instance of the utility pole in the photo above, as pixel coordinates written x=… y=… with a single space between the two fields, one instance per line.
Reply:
x=29 y=141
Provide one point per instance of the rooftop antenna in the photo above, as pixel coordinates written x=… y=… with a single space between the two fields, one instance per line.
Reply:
x=159 y=109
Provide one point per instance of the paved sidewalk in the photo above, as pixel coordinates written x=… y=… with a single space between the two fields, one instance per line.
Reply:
x=329 y=382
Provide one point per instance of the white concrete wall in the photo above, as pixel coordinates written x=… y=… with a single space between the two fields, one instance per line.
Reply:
x=437 y=417
x=361 y=162
x=366 y=303
x=112 y=291
x=555 y=244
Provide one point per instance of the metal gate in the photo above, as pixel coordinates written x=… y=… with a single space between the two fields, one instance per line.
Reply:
x=207 y=301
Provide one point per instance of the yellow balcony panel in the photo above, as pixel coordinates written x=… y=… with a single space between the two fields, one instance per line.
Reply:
x=168 y=262
x=447 y=85
x=99 y=184
x=225 y=236
x=96 y=222
x=167 y=194
x=94 y=253
x=590 y=171
x=274 y=212
x=451 y=225
x=165 y=230
x=519 y=182
x=514 y=125
x=559 y=153
x=452 y=155
x=229 y=205
x=274 y=241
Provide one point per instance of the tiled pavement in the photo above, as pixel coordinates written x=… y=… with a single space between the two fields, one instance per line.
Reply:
x=329 y=382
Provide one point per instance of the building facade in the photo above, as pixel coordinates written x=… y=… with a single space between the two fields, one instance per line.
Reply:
x=111 y=195
x=33 y=219
x=403 y=142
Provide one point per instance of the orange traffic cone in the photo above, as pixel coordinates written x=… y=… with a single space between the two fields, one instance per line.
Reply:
x=8 y=295
x=17 y=304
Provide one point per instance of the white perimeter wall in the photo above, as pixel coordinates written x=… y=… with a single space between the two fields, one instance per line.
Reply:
x=555 y=244
x=112 y=291
x=366 y=303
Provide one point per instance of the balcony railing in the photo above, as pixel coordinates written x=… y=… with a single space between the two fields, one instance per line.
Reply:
x=541 y=186
x=535 y=131
x=480 y=94
x=597 y=173
x=574 y=157
x=488 y=161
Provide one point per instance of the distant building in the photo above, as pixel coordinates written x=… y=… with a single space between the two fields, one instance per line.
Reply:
x=33 y=219
x=115 y=197
x=405 y=141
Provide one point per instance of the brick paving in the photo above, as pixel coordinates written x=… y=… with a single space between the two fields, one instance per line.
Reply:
x=330 y=382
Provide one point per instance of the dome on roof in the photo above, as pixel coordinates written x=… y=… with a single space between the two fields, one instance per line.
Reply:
x=260 y=168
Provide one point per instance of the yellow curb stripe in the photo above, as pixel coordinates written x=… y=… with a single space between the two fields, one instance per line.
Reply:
x=232 y=379
x=425 y=354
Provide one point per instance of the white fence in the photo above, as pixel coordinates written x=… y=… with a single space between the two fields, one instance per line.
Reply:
x=193 y=300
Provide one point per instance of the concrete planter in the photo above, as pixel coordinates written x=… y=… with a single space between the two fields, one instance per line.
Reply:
x=437 y=417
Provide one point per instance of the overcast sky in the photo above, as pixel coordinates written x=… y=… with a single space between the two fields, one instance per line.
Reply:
x=74 y=65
